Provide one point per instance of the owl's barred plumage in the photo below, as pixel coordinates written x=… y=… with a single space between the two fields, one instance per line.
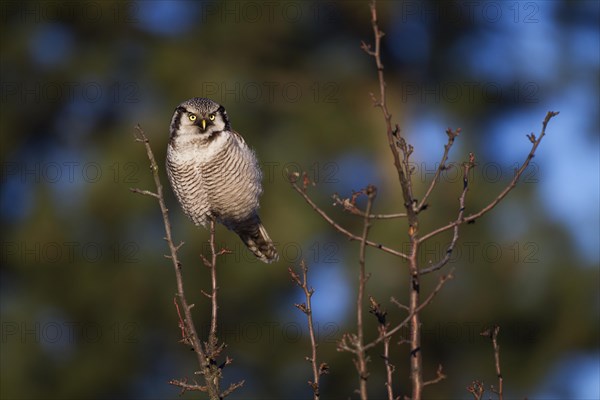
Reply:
x=214 y=173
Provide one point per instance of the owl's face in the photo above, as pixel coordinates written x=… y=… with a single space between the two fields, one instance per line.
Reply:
x=199 y=117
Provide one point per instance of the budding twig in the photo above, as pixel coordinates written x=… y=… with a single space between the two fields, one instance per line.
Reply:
x=306 y=308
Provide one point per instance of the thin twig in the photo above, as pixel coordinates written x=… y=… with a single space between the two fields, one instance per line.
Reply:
x=492 y=333
x=400 y=305
x=184 y=337
x=190 y=328
x=442 y=281
x=476 y=389
x=212 y=338
x=349 y=205
x=363 y=373
x=497 y=362
x=306 y=308
x=416 y=360
x=381 y=103
x=440 y=376
x=335 y=225
x=398 y=144
x=144 y=192
x=451 y=136
x=389 y=368
x=383 y=326
x=472 y=217
x=461 y=210
x=185 y=387
x=232 y=388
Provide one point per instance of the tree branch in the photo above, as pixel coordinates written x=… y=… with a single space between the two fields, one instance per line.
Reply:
x=306 y=308
x=492 y=333
x=349 y=205
x=535 y=143
x=212 y=336
x=363 y=373
x=442 y=166
x=442 y=281
x=439 y=377
x=477 y=388
x=401 y=152
x=206 y=357
x=383 y=327
x=461 y=210
x=397 y=143
x=293 y=178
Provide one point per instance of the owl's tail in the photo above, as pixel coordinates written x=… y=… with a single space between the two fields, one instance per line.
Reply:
x=255 y=237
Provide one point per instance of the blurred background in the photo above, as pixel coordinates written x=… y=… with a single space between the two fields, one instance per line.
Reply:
x=87 y=296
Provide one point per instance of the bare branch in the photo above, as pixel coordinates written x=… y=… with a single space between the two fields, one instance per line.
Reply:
x=232 y=388
x=400 y=305
x=184 y=337
x=363 y=373
x=349 y=205
x=392 y=132
x=337 y=227
x=398 y=144
x=442 y=281
x=185 y=387
x=190 y=328
x=442 y=166
x=306 y=308
x=461 y=210
x=380 y=314
x=144 y=192
x=492 y=333
x=439 y=377
x=402 y=152
x=213 y=275
x=476 y=389
x=536 y=142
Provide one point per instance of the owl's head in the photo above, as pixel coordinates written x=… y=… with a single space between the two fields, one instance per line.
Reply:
x=199 y=116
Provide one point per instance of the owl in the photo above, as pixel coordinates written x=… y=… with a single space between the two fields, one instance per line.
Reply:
x=215 y=174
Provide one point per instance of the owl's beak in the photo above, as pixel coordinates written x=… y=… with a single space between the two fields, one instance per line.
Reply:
x=203 y=123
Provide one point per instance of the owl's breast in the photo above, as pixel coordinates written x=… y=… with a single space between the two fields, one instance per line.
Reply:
x=219 y=178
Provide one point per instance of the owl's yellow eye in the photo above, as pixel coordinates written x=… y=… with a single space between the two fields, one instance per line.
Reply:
x=192 y=117
x=211 y=117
